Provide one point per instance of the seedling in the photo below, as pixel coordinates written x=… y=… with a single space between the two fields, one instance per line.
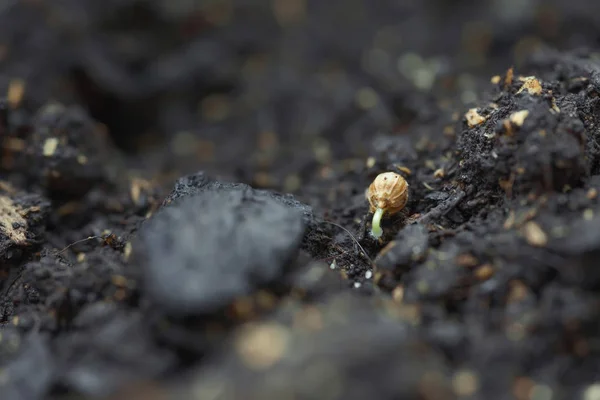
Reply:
x=387 y=195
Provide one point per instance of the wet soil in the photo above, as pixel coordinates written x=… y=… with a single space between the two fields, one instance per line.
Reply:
x=183 y=209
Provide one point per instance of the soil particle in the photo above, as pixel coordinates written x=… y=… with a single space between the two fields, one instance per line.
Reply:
x=206 y=249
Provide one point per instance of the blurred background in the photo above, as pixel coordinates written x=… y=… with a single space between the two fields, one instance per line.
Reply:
x=240 y=86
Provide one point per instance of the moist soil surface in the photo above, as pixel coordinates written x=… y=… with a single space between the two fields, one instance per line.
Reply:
x=183 y=211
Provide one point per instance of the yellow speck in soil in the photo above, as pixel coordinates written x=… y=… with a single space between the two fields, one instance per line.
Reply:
x=465 y=383
x=261 y=346
x=534 y=234
x=474 y=118
x=485 y=272
x=531 y=85
x=366 y=98
x=398 y=294
x=554 y=106
x=82 y=159
x=508 y=80
x=16 y=90
x=50 y=146
x=518 y=118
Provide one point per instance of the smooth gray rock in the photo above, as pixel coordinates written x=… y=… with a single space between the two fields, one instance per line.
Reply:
x=205 y=249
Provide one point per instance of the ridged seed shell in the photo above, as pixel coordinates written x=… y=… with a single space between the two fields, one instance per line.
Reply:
x=389 y=191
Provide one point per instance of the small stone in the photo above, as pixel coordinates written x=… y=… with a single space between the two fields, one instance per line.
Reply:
x=205 y=250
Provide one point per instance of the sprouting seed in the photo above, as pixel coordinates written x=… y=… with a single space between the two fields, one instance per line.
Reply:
x=387 y=195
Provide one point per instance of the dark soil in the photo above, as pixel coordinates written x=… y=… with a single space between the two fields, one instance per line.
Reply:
x=183 y=210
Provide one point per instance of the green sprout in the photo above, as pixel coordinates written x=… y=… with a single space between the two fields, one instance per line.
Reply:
x=376 y=230
x=387 y=194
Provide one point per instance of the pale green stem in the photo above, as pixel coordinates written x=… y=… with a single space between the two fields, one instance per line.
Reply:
x=376 y=230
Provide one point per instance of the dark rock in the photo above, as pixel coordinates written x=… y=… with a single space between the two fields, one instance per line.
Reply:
x=200 y=182
x=26 y=364
x=316 y=232
x=222 y=242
